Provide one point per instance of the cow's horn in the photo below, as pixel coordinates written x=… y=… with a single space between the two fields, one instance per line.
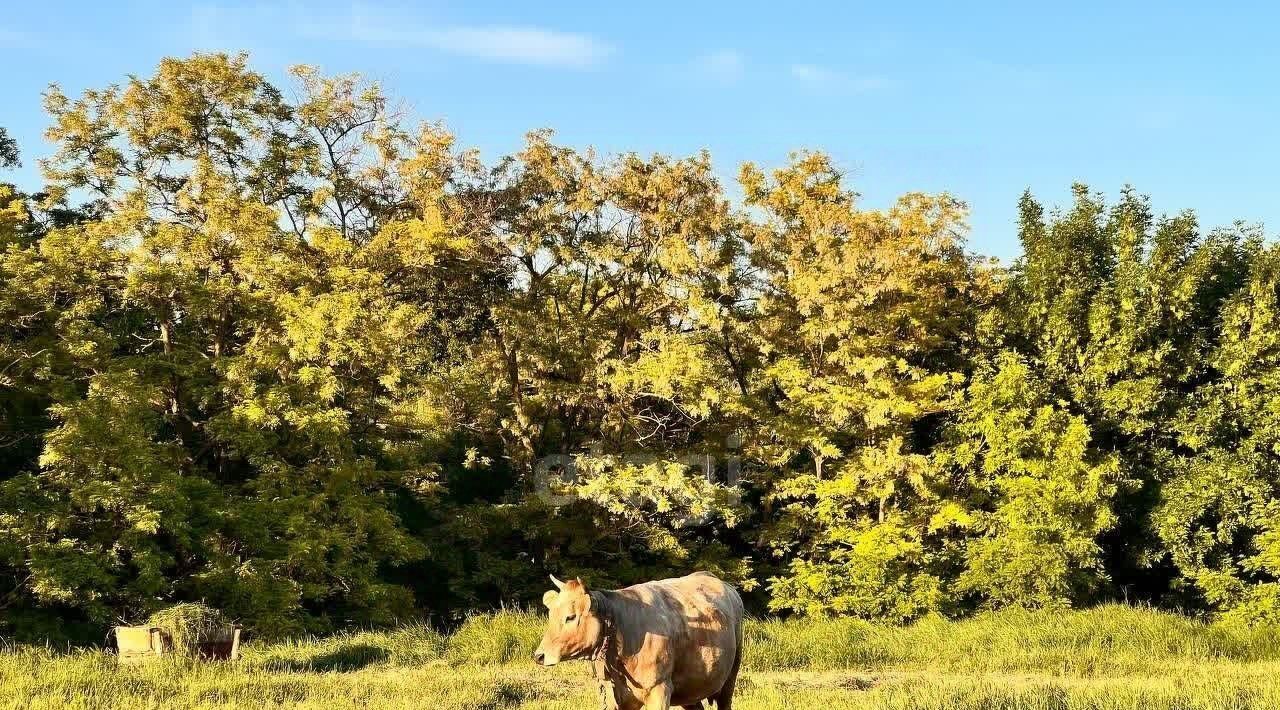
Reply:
x=559 y=585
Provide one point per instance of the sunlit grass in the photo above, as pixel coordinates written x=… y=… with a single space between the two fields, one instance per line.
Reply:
x=1107 y=658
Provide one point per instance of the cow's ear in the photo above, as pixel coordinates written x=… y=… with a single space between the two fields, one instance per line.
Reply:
x=549 y=599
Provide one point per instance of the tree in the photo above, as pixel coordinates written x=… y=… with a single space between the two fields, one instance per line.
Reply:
x=251 y=373
x=320 y=367
x=9 y=156
x=1217 y=513
x=1110 y=311
x=605 y=357
x=861 y=330
x=1039 y=495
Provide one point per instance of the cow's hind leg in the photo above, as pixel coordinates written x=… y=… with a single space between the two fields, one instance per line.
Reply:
x=724 y=699
x=659 y=697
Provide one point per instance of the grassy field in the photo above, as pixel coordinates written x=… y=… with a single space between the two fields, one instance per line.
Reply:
x=1111 y=657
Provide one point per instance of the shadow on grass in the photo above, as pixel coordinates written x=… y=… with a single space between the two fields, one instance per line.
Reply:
x=343 y=659
x=505 y=695
x=826 y=680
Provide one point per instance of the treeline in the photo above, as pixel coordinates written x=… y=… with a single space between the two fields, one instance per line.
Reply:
x=320 y=367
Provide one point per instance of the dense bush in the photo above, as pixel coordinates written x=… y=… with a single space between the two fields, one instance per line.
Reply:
x=320 y=368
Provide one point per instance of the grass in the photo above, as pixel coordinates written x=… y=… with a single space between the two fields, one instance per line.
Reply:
x=1112 y=658
x=189 y=624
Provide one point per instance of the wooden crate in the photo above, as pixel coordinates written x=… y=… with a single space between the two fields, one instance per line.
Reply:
x=140 y=643
x=224 y=646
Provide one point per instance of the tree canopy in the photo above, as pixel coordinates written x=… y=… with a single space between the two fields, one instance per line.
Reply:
x=291 y=354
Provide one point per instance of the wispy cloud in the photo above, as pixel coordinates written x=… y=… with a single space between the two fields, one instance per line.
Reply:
x=817 y=77
x=522 y=44
x=504 y=43
x=216 y=24
x=725 y=66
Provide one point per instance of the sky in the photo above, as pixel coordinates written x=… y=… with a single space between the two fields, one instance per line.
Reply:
x=981 y=100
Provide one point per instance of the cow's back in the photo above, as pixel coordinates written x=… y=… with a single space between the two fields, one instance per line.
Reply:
x=694 y=632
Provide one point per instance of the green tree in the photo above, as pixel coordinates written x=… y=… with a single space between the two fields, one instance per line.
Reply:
x=606 y=355
x=1110 y=312
x=862 y=324
x=1217 y=513
x=243 y=376
x=1039 y=494
x=318 y=366
x=9 y=156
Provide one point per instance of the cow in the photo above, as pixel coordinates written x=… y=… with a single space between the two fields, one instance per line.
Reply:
x=672 y=642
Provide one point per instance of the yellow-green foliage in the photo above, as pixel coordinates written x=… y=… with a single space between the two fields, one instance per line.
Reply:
x=321 y=366
x=1113 y=658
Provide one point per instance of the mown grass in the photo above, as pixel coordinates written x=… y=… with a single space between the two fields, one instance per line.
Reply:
x=1112 y=658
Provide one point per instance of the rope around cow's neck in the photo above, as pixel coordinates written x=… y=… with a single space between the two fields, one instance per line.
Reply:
x=604 y=613
x=606 y=658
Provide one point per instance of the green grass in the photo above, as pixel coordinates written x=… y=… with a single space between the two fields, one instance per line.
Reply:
x=1108 y=658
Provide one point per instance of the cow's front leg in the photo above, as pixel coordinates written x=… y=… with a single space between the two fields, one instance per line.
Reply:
x=659 y=697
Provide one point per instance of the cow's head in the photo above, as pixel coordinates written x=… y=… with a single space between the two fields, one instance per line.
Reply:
x=573 y=625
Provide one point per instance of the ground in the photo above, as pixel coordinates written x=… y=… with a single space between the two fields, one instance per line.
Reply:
x=1112 y=657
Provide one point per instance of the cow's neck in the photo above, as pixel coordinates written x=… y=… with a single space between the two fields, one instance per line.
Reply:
x=618 y=683
x=606 y=657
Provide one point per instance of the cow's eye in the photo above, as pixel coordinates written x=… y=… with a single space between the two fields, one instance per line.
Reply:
x=570 y=617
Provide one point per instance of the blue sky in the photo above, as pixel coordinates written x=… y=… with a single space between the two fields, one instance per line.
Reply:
x=979 y=99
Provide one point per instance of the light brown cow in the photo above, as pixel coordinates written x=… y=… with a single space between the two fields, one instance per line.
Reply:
x=652 y=645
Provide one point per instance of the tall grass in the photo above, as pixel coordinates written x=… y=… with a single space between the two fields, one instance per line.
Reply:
x=1109 y=658
x=490 y=639
x=1107 y=640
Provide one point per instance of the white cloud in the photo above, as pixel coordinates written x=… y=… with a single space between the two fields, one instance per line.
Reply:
x=818 y=77
x=725 y=66
x=810 y=74
x=214 y=24
x=515 y=44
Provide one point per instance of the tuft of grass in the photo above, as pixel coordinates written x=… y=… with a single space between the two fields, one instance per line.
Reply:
x=188 y=624
x=497 y=638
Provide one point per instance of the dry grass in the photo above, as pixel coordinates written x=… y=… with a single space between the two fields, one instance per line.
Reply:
x=187 y=625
